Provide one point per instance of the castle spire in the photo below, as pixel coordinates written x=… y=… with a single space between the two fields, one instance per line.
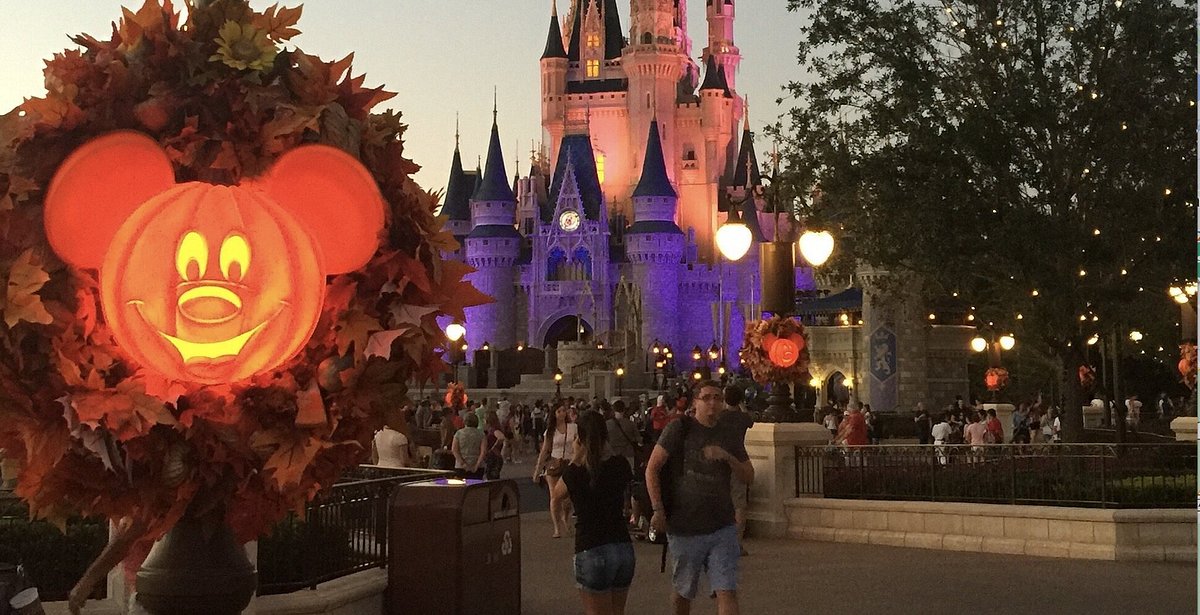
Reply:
x=456 y=136
x=654 y=180
x=554 y=39
x=495 y=181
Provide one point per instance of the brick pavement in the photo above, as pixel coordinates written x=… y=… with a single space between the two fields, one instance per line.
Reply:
x=795 y=577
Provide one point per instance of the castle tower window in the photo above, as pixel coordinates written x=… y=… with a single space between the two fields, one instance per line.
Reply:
x=583 y=260
x=554 y=264
x=600 y=158
x=593 y=68
x=593 y=40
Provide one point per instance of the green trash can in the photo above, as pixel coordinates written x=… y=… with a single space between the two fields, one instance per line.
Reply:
x=454 y=548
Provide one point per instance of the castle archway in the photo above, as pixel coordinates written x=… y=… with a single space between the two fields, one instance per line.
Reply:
x=565 y=328
x=838 y=392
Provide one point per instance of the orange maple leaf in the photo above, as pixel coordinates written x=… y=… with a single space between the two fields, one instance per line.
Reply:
x=21 y=303
x=356 y=328
x=455 y=293
x=278 y=21
x=288 y=454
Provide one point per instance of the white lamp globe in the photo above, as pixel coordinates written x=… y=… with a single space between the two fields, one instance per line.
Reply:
x=979 y=344
x=455 y=331
x=734 y=239
x=1007 y=342
x=816 y=247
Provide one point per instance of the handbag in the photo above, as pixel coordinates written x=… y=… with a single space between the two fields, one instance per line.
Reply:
x=556 y=465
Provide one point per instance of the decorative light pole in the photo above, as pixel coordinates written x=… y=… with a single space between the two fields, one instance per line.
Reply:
x=558 y=377
x=454 y=332
x=777 y=259
x=996 y=377
x=620 y=379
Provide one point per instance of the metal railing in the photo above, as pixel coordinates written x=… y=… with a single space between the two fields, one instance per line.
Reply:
x=343 y=531
x=54 y=560
x=1087 y=475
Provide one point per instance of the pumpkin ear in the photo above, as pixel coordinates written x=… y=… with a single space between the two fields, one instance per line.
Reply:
x=97 y=188
x=335 y=198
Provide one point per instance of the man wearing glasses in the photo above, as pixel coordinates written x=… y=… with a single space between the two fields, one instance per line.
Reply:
x=704 y=454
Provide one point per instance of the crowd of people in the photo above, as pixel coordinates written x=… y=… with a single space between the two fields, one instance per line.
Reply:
x=675 y=465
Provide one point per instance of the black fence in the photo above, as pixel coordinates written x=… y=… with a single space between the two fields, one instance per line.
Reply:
x=54 y=559
x=1086 y=475
x=342 y=532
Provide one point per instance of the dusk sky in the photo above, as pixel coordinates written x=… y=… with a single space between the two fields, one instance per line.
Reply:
x=440 y=56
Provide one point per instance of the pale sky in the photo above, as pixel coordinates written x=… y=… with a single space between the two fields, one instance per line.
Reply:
x=440 y=56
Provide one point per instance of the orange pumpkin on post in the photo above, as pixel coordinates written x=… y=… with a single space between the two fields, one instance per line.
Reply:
x=206 y=283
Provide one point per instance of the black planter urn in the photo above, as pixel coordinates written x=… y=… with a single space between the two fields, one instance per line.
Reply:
x=198 y=568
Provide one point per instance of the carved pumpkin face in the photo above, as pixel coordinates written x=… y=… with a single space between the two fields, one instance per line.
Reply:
x=207 y=283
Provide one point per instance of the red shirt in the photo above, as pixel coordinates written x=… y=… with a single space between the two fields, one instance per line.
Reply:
x=659 y=418
x=997 y=431
x=855 y=426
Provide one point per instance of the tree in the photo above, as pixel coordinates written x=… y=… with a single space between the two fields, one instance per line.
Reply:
x=1035 y=157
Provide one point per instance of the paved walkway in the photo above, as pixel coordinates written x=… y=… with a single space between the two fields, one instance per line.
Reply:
x=790 y=576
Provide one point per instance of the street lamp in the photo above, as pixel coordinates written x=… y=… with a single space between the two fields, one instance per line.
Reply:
x=558 y=376
x=1183 y=295
x=1004 y=342
x=620 y=378
x=734 y=237
x=486 y=346
x=456 y=331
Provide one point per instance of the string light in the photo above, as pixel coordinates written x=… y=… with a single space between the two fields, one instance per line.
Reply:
x=1082 y=317
x=1124 y=272
x=932 y=317
x=1082 y=272
x=1034 y=293
x=1124 y=126
x=1167 y=192
x=1095 y=232
x=1020 y=317
x=1095 y=95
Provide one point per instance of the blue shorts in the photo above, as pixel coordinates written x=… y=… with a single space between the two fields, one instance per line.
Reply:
x=717 y=553
x=605 y=568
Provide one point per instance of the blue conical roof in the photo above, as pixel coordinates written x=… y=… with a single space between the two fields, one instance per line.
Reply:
x=494 y=185
x=554 y=44
x=458 y=191
x=654 y=181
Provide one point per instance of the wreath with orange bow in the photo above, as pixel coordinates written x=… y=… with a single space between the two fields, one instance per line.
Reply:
x=776 y=350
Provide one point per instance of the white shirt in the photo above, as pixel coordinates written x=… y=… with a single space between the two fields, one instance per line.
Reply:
x=389 y=443
x=563 y=445
x=941 y=431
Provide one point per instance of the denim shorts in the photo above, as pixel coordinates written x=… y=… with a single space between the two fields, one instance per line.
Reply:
x=717 y=553
x=605 y=568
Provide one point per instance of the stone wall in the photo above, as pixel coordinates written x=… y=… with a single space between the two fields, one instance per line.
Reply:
x=1046 y=531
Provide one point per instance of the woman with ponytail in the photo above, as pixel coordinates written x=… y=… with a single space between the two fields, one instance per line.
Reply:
x=595 y=482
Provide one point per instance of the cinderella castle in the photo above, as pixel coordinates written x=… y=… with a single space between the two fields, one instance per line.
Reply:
x=606 y=248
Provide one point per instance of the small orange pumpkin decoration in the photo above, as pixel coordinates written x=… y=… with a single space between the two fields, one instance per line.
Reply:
x=783 y=351
x=207 y=283
x=996 y=378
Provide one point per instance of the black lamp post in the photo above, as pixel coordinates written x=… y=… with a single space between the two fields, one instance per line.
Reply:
x=620 y=379
x=777 y=259
x=558 y=376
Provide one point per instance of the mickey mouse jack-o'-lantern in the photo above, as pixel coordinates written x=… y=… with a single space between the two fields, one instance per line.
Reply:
x=206 y=283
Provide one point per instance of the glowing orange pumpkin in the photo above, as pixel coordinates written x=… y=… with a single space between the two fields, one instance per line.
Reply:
x=784 y=351
x=207 y=283
x=996 y=378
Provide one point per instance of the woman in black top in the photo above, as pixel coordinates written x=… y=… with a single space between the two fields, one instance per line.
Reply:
x=595 y=482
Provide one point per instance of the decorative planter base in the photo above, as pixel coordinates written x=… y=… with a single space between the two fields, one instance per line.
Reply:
x=198 y=568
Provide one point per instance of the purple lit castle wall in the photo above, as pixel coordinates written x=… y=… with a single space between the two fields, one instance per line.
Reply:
x=641 y=143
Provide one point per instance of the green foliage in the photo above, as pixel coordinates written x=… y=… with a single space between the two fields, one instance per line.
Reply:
x=997 y=148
